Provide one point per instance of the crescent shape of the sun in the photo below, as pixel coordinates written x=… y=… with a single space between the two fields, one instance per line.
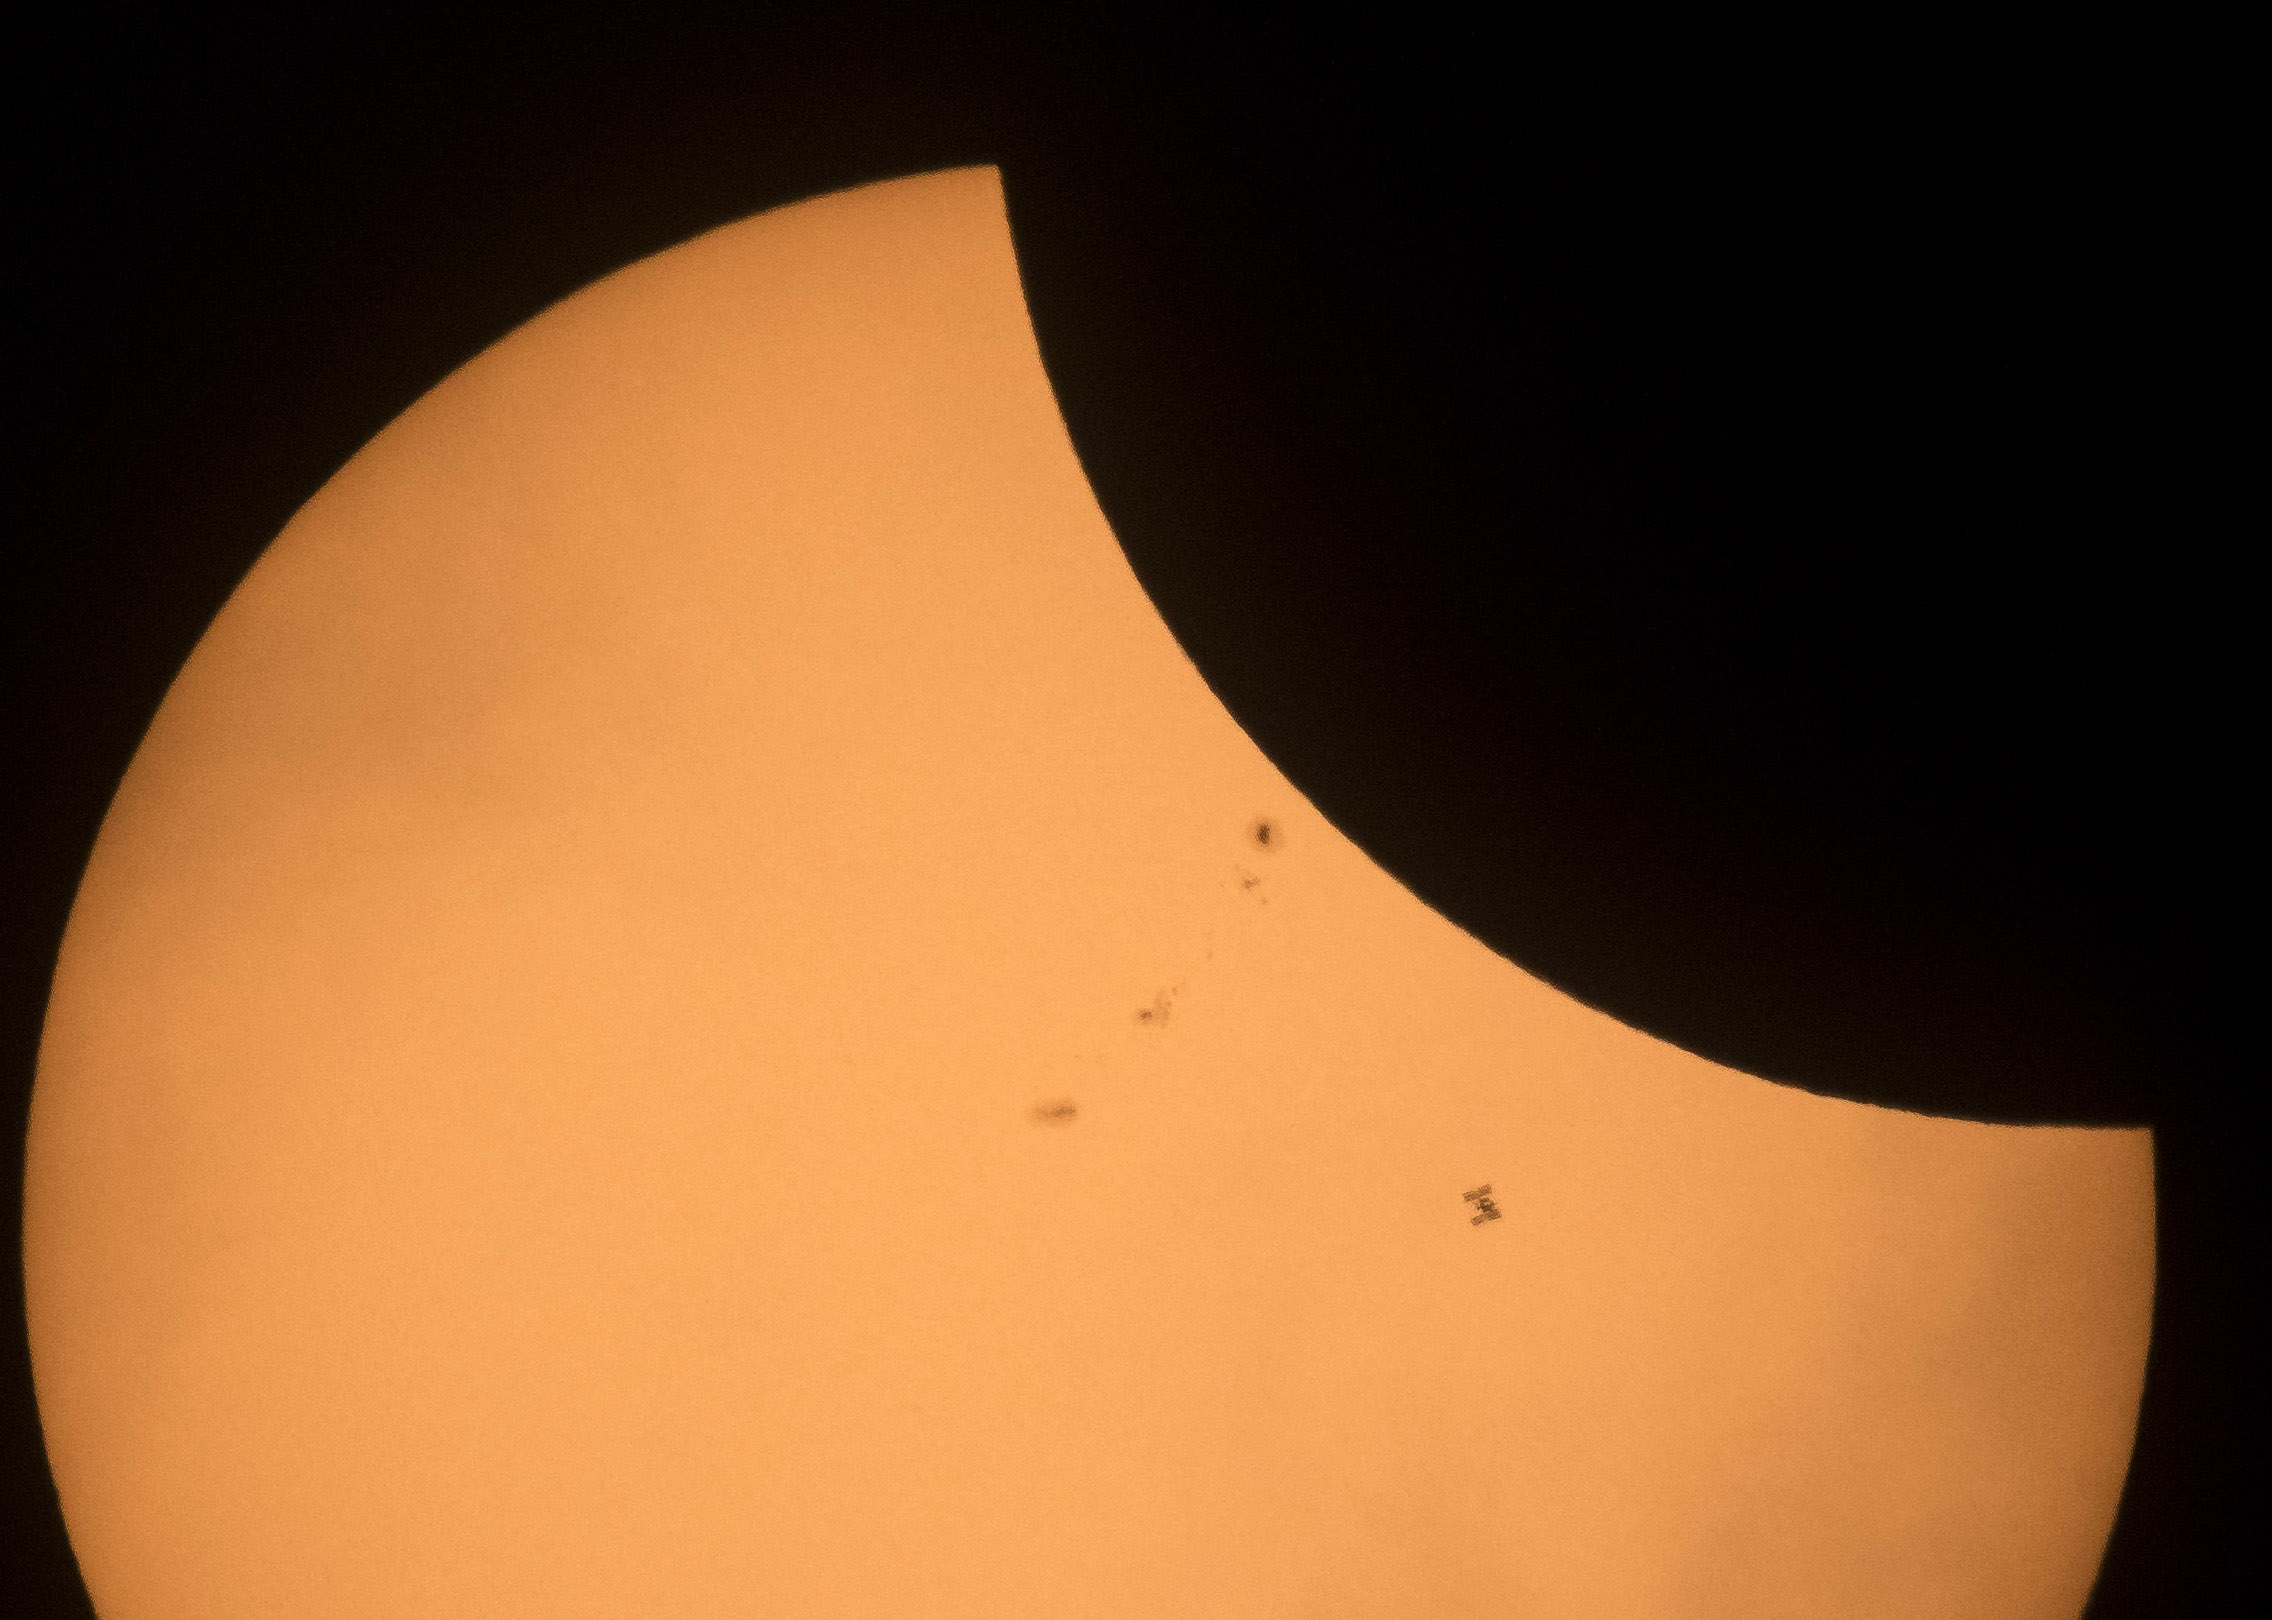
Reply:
x=691 y=1009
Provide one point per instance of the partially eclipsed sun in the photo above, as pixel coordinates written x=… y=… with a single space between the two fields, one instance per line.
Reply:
x=537 y=1115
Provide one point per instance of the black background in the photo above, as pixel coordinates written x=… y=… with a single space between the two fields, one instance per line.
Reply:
x=1731 y=521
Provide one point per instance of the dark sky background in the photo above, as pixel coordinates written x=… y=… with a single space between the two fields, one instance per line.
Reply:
x=1732 y=522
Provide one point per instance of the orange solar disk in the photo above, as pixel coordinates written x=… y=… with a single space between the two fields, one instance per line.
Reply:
x=691 y=1009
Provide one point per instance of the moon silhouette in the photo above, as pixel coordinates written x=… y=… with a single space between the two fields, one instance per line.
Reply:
x=538 y=1110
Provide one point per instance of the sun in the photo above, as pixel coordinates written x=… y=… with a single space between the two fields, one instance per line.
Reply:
x=691 y=1008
